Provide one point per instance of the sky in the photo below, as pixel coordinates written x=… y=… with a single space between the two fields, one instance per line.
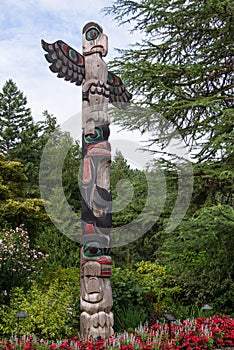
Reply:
x=22 y=26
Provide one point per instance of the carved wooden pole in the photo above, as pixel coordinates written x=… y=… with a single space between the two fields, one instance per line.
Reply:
x=99 y=87
x=95 y=267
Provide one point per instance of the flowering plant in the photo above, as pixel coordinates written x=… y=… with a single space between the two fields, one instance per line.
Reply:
x=216 y=332
x=18 y=261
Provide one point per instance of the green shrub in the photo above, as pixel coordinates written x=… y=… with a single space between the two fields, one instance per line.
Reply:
x=141 y=291
x=51 y=309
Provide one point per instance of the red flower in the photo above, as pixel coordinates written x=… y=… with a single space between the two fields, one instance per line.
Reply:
x=52 y=346
x=123 y=347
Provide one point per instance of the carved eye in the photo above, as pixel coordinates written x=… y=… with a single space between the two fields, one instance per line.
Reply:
x=92 y=34
x=93 y=249
x=97 y=137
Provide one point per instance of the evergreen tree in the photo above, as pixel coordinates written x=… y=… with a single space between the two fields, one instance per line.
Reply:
x=183 y=69
x=43 y=131
x=183 y=72
x=16 y=122
x=19 y=133
x=135 y=211
x=21 y=139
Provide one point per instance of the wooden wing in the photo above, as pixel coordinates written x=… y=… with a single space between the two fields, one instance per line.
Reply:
x=119 y=96
x=65 y=61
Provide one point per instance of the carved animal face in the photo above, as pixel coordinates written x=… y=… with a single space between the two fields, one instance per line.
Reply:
x=93 y=40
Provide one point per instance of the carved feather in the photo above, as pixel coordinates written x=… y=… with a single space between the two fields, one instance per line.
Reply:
x=65 y=61
x=119 y=95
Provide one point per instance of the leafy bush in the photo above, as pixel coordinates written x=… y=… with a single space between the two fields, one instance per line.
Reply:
x=51 y=311
x=145 y=287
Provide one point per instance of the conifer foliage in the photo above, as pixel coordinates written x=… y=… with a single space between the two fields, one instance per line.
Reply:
x=15 y=120
x=183 y=68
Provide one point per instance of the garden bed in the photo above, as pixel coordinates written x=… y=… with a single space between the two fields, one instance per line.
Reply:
x=216 y=332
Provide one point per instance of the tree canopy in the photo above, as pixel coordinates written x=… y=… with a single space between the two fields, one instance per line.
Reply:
x=183 y=69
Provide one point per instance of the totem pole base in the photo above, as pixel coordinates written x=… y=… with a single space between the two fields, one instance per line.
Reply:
x=97 y=325
x=96 y=319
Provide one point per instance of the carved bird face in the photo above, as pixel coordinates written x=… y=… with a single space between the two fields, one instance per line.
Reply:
x=93 y=40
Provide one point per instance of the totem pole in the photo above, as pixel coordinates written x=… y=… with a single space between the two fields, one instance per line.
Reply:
x=99 y=87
